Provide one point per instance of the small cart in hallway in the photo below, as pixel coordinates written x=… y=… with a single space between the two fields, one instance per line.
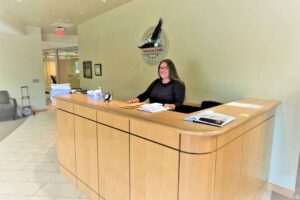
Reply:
x=26 y=106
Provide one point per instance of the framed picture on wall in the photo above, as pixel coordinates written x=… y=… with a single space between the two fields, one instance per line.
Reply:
x=98 y=69
x=87 y=69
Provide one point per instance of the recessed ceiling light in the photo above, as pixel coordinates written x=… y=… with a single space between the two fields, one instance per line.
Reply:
x=81 y=12
x=19 y=1
x=104 y=1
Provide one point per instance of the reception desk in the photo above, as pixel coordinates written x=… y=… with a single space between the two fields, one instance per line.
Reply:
x=111 y=153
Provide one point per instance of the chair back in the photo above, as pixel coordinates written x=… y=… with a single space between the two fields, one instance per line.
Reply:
x=209 y=104
x=53 y=78
x=4 y=97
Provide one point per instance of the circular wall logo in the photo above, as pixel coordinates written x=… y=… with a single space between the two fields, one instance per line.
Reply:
x=154 y=45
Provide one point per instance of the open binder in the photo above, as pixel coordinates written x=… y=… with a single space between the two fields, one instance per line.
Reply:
x=211 y=118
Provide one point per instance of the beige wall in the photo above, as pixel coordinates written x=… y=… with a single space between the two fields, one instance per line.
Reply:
x=20 y=63
x=224 y=50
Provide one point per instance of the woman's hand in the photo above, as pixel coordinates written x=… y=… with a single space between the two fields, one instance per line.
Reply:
x=171 y=106
x=136 y=100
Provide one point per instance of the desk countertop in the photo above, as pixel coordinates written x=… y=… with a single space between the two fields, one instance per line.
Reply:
x=176 y=120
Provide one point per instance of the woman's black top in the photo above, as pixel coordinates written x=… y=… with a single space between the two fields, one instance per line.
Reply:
x=169 y=93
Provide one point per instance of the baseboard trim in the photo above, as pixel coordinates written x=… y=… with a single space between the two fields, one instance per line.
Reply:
x=280 y=190
x=40 y=110
x=297 y=189
x=297 y=196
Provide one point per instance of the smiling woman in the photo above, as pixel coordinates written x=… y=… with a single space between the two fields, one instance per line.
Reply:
x=168 y=89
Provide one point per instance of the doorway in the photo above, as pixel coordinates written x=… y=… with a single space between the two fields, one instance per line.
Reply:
x=61 y=66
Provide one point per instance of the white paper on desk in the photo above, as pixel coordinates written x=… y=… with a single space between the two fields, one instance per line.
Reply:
x=244 y=105
x=211 y=115
x=153 y=107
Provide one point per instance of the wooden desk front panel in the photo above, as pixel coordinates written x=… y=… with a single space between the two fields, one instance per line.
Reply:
x=266 y=150
x=113 y=158
x=85 y=112
x=242 y=166
x=66 y=140
x=197 y=173
x=253 y=173
x=153 y=171
x=228 y=166
x=198 y=144
x=228 y=170
x=64 y=105
x=155 y=132
x=113 y=120
x=86 y=151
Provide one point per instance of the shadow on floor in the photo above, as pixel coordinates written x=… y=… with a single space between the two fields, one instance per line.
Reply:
x=7 y=127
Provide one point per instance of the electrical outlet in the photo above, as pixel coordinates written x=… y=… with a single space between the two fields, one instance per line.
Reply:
x=35 y=80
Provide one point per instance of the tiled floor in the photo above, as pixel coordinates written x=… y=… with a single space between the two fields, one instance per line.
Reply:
x=28 y=165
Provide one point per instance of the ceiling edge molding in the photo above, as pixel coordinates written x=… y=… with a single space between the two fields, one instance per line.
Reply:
x=12 y=23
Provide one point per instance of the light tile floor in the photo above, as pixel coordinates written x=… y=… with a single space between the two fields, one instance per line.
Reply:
x=28 y=164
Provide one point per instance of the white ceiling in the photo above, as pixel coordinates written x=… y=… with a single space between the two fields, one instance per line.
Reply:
x=44 y=13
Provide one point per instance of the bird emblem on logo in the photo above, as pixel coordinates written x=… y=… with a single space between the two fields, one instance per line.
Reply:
x=153 y=41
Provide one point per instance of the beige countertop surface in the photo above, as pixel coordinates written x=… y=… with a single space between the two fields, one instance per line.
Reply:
x=176 y=120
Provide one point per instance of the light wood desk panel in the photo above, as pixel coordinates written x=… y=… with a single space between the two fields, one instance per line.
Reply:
x=256 y=158
x=160 y=156
x=113 y=120
x=197 y=174
x=66 y=140
x=85 y=112
x=64 y=105
x=86 y=152
x=266 y=148
x=113 y=158
x=198 y=144
x=153 y=171
x=161 y=134
x=228 y=170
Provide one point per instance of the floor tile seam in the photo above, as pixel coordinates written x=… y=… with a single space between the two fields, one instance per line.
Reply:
x=59 y=196
x=39 y=189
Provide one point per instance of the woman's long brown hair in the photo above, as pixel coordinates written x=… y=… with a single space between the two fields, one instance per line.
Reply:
x=172 y=70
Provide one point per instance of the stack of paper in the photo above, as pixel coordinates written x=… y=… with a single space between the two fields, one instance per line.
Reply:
x=58 y=90
x=211 y=118
x=244 y=105
x=153 y=107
